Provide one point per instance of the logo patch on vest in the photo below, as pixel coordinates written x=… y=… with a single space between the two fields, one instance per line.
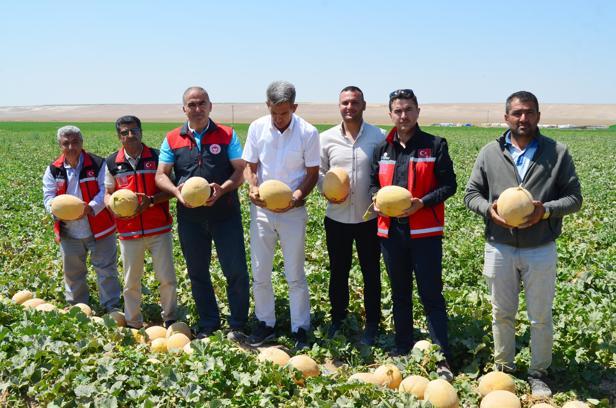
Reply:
x=385 y=156
x=424 y=153
x=149 y=165
x=215 y=148
x=90 y=173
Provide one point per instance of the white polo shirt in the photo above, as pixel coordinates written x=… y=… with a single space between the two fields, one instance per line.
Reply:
x=282 y=156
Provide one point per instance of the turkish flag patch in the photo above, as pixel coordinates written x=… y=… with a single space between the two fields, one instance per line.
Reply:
x=424 y=153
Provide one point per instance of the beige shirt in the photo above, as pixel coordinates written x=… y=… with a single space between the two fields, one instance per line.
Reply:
x=355 y=157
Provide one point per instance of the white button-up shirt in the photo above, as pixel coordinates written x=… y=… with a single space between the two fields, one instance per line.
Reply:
x=354 y=156
x=282 y=156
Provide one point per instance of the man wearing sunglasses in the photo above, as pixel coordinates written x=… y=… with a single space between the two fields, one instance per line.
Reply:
x=133 y=167
x=412 y=243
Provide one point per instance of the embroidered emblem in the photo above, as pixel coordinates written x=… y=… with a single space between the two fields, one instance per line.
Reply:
x=149 y=165
x=385 y=156
x=424 y=153
x=215 y=149
x=90 y=173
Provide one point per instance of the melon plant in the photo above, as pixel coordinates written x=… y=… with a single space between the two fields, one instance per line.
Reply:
x=196 y=191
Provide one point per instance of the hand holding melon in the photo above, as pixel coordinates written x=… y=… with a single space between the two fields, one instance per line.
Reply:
x=195 y=192
x=515 y=208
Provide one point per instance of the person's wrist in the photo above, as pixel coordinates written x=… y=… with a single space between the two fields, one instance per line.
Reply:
x=150 y=200
x=546 y=214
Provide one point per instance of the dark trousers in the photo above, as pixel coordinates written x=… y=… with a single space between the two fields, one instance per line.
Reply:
x=196 y=237
x=340 y=237
x=423 y=256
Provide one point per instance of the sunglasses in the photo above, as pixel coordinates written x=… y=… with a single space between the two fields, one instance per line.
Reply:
x=134 y=131
x=402 y=93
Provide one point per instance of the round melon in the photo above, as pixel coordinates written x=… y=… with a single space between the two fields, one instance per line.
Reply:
x=422 y=345
x=367 y=378
x=155 y=332
x=389 y=375
x=495 y=380
x=176 y=342
x=138 y=336
x=414 y=384
x=46 y=307
x=576 y=404
x=32 y=303
x=123 y=203
x=196 y=191
x=500 y=399
x=85 y=309
x=67 y=207
x=21 y=296
x=118 y=317
x=179 y=327
x=188 y=348
x=306 y=365
x=275 y=355
x=441 y=394
x=514 y=205
x=393 y=201
x=542 y=405
x=336 y=184
x=276 y=194
x=159 y=345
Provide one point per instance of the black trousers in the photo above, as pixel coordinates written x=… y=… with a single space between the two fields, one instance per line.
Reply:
x=340 y=237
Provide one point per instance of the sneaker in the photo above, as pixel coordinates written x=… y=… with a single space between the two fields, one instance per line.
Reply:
x=369 y=336
x=538 y=387
x=505 y=368
x=263 y=333
x=301 y=339
x=444 y=371
x=333 y=329
x=206 y=332
x=168 y=323
x=237 y=336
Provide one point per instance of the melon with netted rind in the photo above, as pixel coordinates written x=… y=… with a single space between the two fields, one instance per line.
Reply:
x=21 y=296
x=336 y=184
x=393 y=201
x=155 y=332
x=67 y=207
x=176 y=342
x=306 y=365
x=414 y=384
x=500 y=399
x=514 y=205
x=196 y=191
x=275 y=355
x=495 y=380
x=276 y=195
x=441 y=394
x=124 y=202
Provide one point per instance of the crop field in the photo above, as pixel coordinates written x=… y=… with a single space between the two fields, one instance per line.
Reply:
x=57 y=360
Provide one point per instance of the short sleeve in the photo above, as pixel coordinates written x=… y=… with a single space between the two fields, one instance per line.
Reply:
x=235 y=148
x=166 y=154
x=251 y=152
x=312 y=153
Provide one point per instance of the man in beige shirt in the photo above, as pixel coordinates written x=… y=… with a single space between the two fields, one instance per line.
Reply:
x=349 y=146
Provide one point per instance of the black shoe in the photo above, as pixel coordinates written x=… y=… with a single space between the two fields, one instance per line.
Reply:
x=263 y=333
x=301 y=339
x=369 y=336
x=333 y=329
x=444 y=371
x=206 y=332
x=168 y=323
x=538 y=387
x=237 y=335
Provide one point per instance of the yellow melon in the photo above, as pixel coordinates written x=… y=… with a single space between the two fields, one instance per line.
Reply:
x=179 y=327
x=159 y=345
x=576 y=404
x=495 y=380
x=336 y=184
x=500 y=399
x=276 y=194
x=188 y=348
x=155 y=332
x=441 y=394
x=32 y=303
x=118 y=317
x=389 y=376
x=542 y=405
x=414 y=384
x=21 y=296
x=306 y=365
x=176 y=342
x=393 y=201
x=368 y=378
x=422 y=345
x=196 y=191
x=85 y=309
x=67 y=207
x=46 y=307
x=275 y=355
x=123 y=203
x=138 y=336
x=514 y=205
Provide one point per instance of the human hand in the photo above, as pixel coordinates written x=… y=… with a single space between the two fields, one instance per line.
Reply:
x=253 y=194
x=497 y=219
x=535 y=216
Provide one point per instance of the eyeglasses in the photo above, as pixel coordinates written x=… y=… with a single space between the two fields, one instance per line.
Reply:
x=194 y=105
x=402 y=93
x=134 y=131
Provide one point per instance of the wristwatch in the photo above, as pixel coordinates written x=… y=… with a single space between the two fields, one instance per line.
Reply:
x=546 y=214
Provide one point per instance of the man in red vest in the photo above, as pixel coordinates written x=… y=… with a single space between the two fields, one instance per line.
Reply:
x=133 y=167
x=412 y=243
x=79 y=173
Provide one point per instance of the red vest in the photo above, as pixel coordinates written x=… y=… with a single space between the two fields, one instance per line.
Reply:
x=428 y=221
x=101 y=224
x=154 y=220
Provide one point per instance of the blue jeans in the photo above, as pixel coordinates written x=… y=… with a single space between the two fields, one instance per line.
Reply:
x=196 y=237
x=423 y=256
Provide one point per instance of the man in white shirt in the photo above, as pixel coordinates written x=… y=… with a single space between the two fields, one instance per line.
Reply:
x=280 y=146
x=350 y=146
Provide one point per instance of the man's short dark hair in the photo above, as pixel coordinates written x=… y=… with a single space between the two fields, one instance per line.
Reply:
x=353 y=88
x=522 y=96
x=402 y=94
x=127 y=120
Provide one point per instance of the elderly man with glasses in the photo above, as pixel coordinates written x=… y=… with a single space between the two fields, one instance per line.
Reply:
x=133 y=167
x=412 y=243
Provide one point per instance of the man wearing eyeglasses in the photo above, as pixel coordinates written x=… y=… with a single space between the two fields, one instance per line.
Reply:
x=412 y=243
x=133 y=167
x=207 y=149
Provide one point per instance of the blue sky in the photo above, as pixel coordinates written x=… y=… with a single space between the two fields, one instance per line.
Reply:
x=73 y=52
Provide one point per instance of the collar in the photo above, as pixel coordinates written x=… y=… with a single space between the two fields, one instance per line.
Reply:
x=187 y=131
x=361 y=129
x=392 y=136
x=290 y=128
x=79 y=163
x=146 y=153
x=533 y=143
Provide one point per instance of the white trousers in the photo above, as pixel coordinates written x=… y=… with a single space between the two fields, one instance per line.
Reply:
x=506 y=268
x=133 y=254
x=289 y=228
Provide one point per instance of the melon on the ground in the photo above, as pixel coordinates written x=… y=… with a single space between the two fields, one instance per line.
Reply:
x=159 y=345
x=368 y=378
x=393 y=201
x=500 y=399
x=414 y=384
x=196 y=191
x=85 y=309
x=275 y=355
x=276 y=194
x=118 y=317
x=514 y=205
x=21 y=296
x=46 y=307
x=67 y=207
x=32 y=303
x=179 y=327
x=495 y=380
x=389 y=376
x=422 y=345
x=123 y=202
x=576 y=404
x=306 y=365
x=176 y=342
x=441 y=394
x=138 y=336
x=336 y=184
x=155 y=332
x=542 y=405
